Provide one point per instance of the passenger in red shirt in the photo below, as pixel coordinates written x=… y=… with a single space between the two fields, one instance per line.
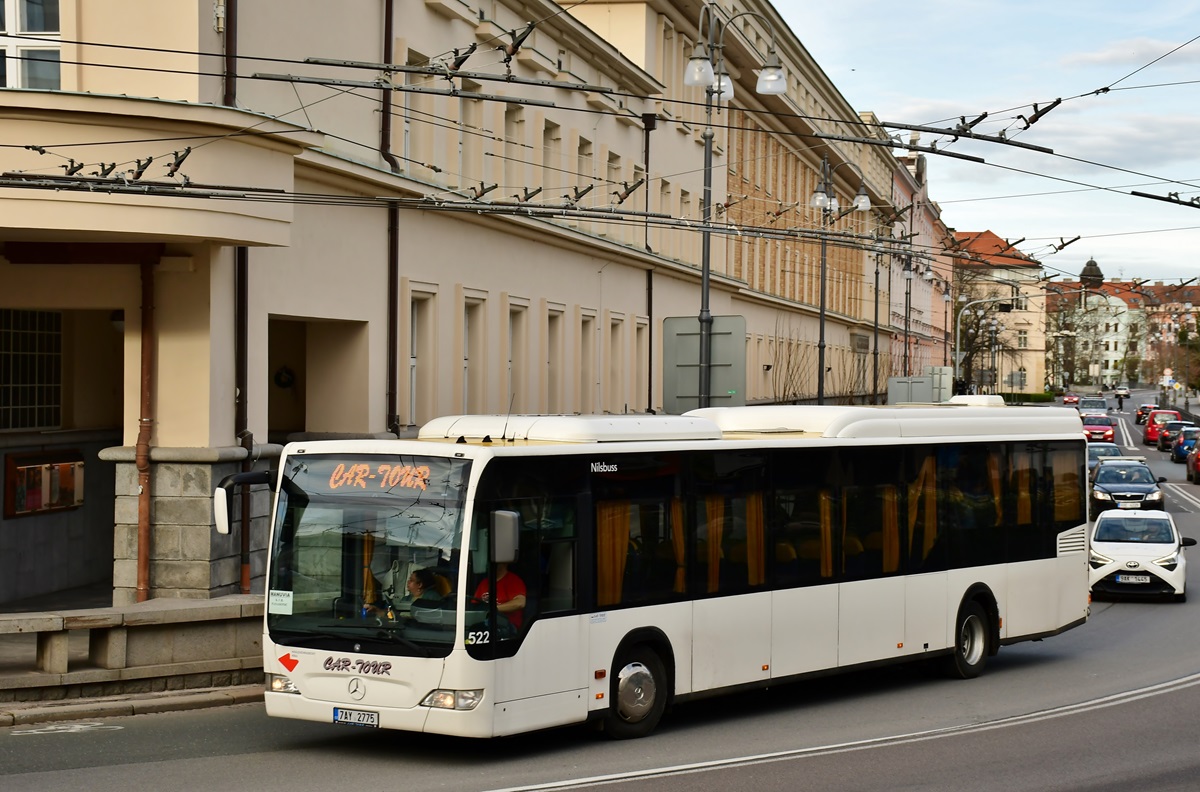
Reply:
x=510 y=594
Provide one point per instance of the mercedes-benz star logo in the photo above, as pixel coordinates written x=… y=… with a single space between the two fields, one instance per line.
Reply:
x=357 y=689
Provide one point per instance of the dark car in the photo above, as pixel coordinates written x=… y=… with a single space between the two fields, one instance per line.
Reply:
x=1125 y=483
x=1142 y=411
x=1099 y=428
x=1098 y=451
x=1166 y=435
x=1183 y=443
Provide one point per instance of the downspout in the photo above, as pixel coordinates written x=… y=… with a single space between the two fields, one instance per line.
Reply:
x=241 y=421
x=145 y=424
x=393 y=228
x=231 y=22
x=241 y=329
x=649 y=122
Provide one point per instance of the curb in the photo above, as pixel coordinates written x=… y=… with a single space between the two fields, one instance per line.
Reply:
x=21 y=713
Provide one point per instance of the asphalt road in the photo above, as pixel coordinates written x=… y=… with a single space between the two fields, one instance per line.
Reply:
x=1114 y=704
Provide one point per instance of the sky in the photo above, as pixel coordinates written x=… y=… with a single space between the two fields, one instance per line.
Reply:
x=933 y=62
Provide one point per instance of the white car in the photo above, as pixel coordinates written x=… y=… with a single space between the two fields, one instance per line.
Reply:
x=1138 y=553
x=1122 y=391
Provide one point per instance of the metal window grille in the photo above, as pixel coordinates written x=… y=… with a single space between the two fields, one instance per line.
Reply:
x=30 y=369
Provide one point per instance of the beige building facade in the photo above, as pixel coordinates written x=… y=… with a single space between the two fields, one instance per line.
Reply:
x=232 y=224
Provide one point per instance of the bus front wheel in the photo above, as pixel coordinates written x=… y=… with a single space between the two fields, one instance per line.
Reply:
x=638 y=694
x=970 y=642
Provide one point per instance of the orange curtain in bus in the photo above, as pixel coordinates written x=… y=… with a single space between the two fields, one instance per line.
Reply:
x=756 y=551
x=714 y=511
x=923 y=491
x=1024 y=497
x=891 y=530
x=1067 y=503
x=370 y=586
x=612 y=550
x=993 y=467
x=678 y=546
x=825 y=508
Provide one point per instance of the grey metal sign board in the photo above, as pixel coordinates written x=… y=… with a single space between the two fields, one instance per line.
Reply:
x=681 y=363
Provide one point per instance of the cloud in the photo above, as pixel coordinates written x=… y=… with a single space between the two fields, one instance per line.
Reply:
x=1135 y=52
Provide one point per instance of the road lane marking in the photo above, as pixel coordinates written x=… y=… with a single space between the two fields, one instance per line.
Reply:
x=1113 y=700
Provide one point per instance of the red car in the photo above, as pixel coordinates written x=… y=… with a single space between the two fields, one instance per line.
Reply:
x=1099 y=428
x=1155 y=422
x=1070 y=398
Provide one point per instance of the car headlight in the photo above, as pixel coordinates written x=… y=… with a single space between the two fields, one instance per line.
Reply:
x=278 y=683
x=1098 y=560
x=453 y=699
x=1101 y=495
x=1168 y=562
x=1154 y=496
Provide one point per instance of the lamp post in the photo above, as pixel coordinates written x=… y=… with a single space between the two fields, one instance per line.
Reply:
x=825 y=199
x=908 y=279
x=946 y=326
x=875 y=333
x=706 y=68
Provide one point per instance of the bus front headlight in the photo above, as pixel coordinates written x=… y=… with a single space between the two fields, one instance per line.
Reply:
x=453 y=699
x=277 y=683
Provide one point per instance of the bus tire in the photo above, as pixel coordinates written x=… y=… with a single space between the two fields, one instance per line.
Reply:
x=638 y=694
x=970 y=642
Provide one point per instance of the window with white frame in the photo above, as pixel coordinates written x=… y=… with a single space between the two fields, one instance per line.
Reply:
x=1022 y=339
x=29 y=44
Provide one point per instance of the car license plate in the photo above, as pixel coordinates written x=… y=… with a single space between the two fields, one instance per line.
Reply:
x=1133 y=578
x=352 y=717
x=1129 y=505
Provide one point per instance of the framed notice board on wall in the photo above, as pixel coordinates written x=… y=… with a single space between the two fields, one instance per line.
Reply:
x=41 y=482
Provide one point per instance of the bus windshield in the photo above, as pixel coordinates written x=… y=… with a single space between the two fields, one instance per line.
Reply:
x=365 y=553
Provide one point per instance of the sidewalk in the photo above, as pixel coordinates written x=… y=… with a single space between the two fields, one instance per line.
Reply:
x=16 y=649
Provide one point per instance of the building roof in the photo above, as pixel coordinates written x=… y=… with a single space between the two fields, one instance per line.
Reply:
x=987 y=249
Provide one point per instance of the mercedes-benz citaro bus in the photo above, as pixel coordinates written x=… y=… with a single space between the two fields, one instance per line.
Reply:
x=641 y=560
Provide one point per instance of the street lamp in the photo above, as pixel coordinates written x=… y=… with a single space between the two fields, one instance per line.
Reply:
x=946 y=326
x=908 y=279
x=706 y=68
x=825 y=199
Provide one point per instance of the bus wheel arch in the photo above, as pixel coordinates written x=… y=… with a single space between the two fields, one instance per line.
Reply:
x=641 y=684
x=976 y=633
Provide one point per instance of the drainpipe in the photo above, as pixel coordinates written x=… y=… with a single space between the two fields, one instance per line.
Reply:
x=393 y=229
x=241 y=329
x=649 y=123
x=230 y=21
x=241 y=421
x=145 y=424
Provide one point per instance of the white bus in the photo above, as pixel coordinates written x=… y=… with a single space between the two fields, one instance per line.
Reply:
x=659 y=558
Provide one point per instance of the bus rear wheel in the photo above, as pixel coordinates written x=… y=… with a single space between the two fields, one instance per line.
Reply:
x=638 y=694
x=970 y=642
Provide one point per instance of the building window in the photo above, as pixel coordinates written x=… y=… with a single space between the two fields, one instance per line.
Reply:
x=1022 y=339
x=30 y=369
x=29 y=49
